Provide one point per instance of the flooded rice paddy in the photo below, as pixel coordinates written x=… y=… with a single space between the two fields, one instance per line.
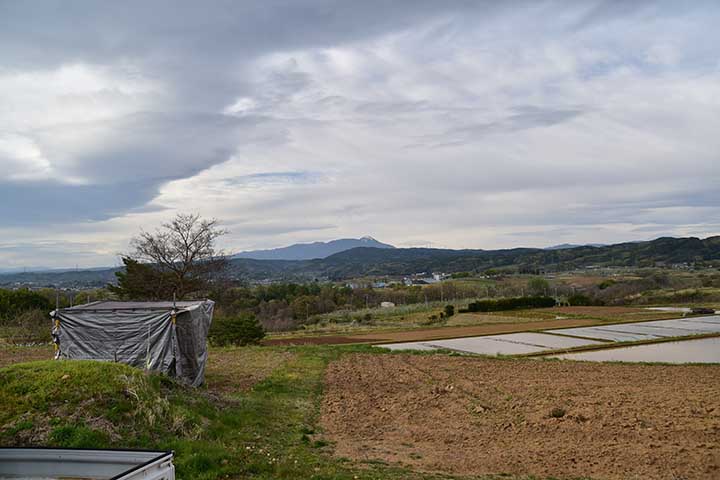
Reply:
x=684 y=351
x=507 y=344
x=703 y=350
x=628 y=332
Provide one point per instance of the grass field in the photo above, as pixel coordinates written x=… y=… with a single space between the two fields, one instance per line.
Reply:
x=256 y=418
x=263 y=412
x=293 y=413
x=403 y=326
x=356 y=412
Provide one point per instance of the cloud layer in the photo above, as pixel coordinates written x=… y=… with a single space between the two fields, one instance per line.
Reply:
x=471 y=124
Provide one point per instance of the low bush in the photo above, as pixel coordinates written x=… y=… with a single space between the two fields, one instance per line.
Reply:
x=580 y=300
x=243 y=329
x=510 y=304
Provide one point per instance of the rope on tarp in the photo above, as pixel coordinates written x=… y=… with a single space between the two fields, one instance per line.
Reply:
x=173 y=319
x=55 y=331
x=147 y=349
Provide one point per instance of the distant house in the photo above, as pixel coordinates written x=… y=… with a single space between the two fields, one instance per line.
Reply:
x=387 y=304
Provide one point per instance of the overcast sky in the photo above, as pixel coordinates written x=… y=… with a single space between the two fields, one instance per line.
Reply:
x=451 y=124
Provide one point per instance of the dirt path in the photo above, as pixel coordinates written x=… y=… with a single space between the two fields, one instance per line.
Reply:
x=483 y=416
x=432 y=333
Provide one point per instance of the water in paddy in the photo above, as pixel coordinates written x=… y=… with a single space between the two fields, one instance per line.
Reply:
x=629 y=332
x=508 y=344
x=705 y=350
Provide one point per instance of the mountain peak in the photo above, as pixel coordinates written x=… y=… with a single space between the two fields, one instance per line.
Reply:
x=309 y=251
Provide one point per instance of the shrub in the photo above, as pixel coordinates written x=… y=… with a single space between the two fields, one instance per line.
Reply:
x=243 y=329
x=511 y=304
x=15 y=302
x=449 y=311
x=580 y=300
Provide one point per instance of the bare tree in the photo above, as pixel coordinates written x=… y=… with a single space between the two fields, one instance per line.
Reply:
x=184 y=250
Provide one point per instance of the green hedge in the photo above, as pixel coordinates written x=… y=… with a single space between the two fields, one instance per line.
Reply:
x=15 y=302
x=510 y=304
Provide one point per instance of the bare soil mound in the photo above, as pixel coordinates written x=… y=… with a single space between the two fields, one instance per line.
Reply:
x=526 y=417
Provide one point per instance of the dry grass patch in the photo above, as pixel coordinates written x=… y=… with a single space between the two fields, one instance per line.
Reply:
x=237 y=369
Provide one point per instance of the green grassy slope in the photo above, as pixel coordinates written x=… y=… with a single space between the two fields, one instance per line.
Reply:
x=267 y=432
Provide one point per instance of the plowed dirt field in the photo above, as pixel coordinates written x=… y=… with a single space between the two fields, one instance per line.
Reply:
x=472 y=416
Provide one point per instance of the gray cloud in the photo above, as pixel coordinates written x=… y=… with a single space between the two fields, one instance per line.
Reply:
x=121 y=163
x=467 y=122
x=522 y=118
x=48 y=203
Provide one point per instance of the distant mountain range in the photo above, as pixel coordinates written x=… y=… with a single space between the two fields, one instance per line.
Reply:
x=383 y=261
x=309 y=251
x=564 y=246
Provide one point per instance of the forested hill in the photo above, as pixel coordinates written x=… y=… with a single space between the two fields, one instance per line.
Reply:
x=363 y=261
x=402 y=261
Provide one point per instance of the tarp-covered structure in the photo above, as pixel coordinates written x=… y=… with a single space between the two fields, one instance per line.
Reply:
x=168 y=337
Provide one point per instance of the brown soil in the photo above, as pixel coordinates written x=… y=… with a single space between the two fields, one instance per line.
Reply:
x=319 y=340
x=473 y=416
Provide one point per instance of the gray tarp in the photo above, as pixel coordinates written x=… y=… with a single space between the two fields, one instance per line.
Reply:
x=141 y=334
